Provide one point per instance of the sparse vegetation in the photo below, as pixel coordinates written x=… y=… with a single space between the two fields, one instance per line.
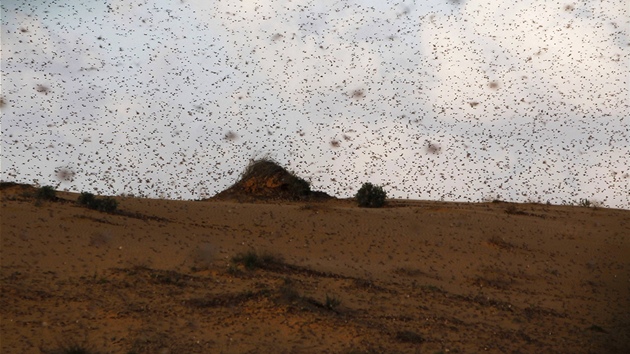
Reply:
x=233 y=269
x=252 y=260
x=106 y=204
x=332 y=302
x=431 y=288
x=585 y=203
x=87 y=199
x=203 y=257
x=100 y=238
x=72 y=348
x=371 y=196
x=227 y=299
x=409 y=337
x=596 y=328
x=46 y=193
x=76 y=350
x=513 y=210
x=501 y=243
x=496 y=283
x=409 y=272
x=287 y=291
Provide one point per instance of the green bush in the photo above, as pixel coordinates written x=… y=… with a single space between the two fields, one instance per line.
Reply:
x=106 y=204
x=86 y=199
x=46 y=193
x=371 y=196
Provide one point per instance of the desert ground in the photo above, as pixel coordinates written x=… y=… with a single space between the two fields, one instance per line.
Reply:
x=311 y=276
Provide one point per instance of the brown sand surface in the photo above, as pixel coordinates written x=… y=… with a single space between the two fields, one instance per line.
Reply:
x=413 y=277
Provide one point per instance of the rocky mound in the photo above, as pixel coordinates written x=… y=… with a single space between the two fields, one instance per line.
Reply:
x=266 y=180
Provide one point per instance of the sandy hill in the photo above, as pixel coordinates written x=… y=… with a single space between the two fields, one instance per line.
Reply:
x=221 y=276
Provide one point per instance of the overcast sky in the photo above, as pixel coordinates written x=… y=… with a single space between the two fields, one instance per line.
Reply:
x=442 y=100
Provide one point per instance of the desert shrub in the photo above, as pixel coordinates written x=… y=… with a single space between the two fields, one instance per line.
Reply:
x=252 y=260
x=371 y=196
x=107 y=204
x=87 y=199
x=585 y=203
x=46 y=193
x=409 y=337
x=596 y=328
x=75 y=349
x=72 y=348
x=287 y=292
x=332 y=302
x=249 y=260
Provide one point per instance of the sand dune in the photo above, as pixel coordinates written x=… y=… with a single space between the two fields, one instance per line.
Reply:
x=161 y=276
